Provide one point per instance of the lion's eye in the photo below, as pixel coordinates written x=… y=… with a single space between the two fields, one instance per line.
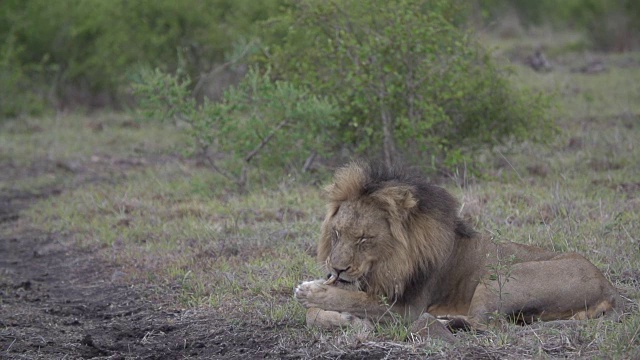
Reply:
x=335 y=239
x=362 y=240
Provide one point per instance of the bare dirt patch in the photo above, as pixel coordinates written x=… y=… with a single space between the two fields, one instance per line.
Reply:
x=59 y=302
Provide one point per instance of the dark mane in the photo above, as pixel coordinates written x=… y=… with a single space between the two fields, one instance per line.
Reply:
x=432 y=199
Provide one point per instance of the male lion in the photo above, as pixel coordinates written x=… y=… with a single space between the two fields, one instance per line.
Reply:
x=393 y=242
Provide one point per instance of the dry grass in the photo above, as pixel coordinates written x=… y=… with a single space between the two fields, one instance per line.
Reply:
x=178 y=227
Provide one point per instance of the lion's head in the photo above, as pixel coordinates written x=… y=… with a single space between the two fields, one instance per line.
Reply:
x=386 y=229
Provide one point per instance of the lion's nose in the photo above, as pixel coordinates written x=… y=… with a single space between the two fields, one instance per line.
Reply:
x=340 y=270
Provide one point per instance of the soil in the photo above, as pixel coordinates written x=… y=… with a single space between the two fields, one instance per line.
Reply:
x=61 y=302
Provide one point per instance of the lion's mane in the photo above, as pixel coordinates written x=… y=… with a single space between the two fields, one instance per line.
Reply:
x=423 y=220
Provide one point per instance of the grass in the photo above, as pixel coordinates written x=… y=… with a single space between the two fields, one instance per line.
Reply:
x=179 y=227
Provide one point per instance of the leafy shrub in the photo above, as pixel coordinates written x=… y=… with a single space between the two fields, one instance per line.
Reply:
x=94 y=44
x=16 y=96
x=610 y=25
x=409 y=81
x=261 y=123
x=17 y=93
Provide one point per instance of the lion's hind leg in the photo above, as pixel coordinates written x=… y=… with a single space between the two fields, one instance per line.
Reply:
x=565 y=287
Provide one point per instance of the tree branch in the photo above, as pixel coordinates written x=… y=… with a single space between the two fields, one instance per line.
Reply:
x=264 y=141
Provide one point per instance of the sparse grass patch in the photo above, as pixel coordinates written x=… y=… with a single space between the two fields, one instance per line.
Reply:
x=622 y=340
x=577 y=193
x=32 y=184
x=176 y=226
x=77 y=138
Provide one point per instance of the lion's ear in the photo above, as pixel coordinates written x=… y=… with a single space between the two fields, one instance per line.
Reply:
x=397 y=200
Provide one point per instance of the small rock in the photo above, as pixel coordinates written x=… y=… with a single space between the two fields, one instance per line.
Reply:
x=539 y=62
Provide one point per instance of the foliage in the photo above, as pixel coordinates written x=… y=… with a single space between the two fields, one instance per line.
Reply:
x=269 y=124
x=16 y=90
x=17 y=81
x=94 y=44
x=409 y=81
x=610 y=25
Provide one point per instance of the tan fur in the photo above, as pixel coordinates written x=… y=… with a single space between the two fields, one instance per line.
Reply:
x=398 y=244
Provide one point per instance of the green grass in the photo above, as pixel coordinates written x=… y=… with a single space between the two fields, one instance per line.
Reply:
x=179 y=227
x=78 y=138
x=170 y=225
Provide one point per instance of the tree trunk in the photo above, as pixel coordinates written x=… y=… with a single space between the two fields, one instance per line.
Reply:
x=388 y=144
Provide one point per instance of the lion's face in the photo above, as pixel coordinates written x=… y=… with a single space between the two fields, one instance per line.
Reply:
x=382 y=232
x=359 y=235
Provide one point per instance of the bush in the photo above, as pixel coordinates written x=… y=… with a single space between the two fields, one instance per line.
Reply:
x=17 y=81
x=260 y=123
x=94 y=44
x=409 y=82
x=18 y=93
x=610 y=25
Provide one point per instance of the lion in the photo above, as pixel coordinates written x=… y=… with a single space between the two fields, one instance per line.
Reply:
x=394 y=245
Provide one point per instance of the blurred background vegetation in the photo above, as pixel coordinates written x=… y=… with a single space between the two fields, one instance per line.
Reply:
x=395 y=79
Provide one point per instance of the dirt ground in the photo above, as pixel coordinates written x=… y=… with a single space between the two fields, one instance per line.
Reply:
x=60 y=302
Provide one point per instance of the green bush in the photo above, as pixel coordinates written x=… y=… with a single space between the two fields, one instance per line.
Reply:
x=93 y=45
x=409 y=82
x=610 y=25
x=260 y=123
x=18 y=93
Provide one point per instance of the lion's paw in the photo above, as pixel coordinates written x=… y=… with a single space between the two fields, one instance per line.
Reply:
x=308 y=293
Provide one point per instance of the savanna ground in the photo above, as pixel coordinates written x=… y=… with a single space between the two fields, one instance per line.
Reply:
x=114 y=245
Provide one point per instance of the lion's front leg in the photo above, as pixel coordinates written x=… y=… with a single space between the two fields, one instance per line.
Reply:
x=332 y=319
x=315 y=294
x=318 y=299
x=329 y=307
